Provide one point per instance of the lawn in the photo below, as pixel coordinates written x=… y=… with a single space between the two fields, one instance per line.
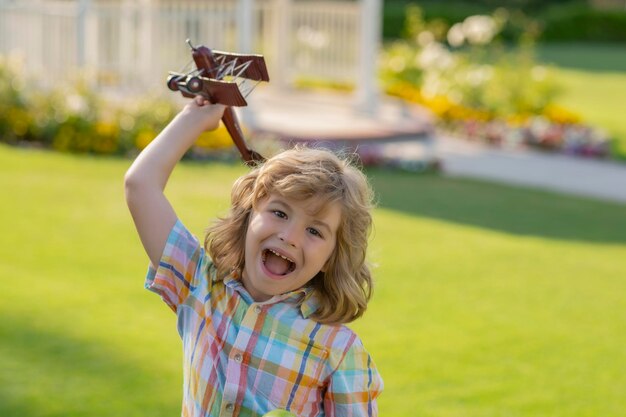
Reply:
x=490 y=300
x=593 y=77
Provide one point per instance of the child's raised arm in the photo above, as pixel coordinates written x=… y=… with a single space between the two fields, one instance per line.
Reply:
x=145 y=180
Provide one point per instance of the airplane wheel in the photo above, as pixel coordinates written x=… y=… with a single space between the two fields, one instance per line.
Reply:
x=194 y=84
x=172 y=82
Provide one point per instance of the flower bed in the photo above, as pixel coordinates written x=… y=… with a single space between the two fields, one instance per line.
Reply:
x=482 y=90
x=73 y=118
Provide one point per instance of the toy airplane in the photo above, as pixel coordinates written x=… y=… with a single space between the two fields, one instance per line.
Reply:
x=223 y=77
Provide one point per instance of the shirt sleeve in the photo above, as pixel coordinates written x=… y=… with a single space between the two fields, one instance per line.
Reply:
x=180 y=267
x=354 y=385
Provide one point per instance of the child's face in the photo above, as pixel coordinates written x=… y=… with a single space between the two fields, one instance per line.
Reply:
x=282 y=228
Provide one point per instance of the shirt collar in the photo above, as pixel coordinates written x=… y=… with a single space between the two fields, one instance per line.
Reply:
x=310 y=304
x=303 y=296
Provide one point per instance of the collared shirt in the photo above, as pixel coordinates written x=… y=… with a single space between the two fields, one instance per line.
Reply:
x=243 y=358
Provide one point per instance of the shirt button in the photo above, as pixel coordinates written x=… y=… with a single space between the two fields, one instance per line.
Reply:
x=238 y=357
x=258 y=309
x=230 y=407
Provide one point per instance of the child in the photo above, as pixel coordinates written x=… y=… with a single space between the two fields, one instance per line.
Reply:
x=261 y=304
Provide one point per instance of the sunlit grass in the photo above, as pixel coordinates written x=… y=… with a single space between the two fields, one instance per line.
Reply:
x=600 y=99
x=593 y=77
x=490 y=300
x=496 y=301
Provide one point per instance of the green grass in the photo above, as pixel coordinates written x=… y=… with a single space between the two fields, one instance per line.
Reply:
x=590 y=57
x=593 y=77
x=490 y=300
x=600 y=99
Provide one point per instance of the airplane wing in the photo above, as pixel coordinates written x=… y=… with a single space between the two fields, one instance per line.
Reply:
x=256 y=70
x=223 y=92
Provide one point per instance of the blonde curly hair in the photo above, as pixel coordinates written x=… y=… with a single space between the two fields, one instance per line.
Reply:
x=345 y=287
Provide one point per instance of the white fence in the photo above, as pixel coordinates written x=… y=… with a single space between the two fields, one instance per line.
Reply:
x=131 y=45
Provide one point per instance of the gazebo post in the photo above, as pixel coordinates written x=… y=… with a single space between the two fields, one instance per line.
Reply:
x=246 y=31
x=367 y=93
x=245 y=26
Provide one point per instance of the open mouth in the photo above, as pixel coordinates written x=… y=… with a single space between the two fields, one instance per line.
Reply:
x=276 y=263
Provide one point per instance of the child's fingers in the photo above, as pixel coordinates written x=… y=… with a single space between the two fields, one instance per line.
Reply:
x=210 y=113
x=199 y=100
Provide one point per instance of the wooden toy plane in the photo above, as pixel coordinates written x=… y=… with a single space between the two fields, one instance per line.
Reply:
x=224 y=78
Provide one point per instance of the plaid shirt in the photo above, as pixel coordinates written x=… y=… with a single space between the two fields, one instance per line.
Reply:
x=243 y=358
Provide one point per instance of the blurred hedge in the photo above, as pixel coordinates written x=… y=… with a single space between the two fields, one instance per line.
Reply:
x=447 y=12
x=560 y=20
x=580 y=23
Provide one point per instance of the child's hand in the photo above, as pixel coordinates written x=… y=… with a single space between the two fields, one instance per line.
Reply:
x=204 y=113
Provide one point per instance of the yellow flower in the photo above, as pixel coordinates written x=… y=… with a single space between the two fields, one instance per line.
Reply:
x=143 y=138
x=518 y=119
x=559 y=114
x=216 y=139
x=106 y=138
x=106 y=129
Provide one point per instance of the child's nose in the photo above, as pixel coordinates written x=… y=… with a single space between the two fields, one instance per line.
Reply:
x=290 y=235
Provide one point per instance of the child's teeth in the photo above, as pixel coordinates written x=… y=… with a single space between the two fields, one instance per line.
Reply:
x=278 y=254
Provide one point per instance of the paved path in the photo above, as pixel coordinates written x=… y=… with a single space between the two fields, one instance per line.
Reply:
x=406 y=131
x=567 y=174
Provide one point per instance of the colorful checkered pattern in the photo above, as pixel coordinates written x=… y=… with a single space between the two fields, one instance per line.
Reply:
x=242 y=358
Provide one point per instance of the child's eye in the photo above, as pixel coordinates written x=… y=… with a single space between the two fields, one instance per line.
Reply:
x=280 y=214
x=314 y=232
